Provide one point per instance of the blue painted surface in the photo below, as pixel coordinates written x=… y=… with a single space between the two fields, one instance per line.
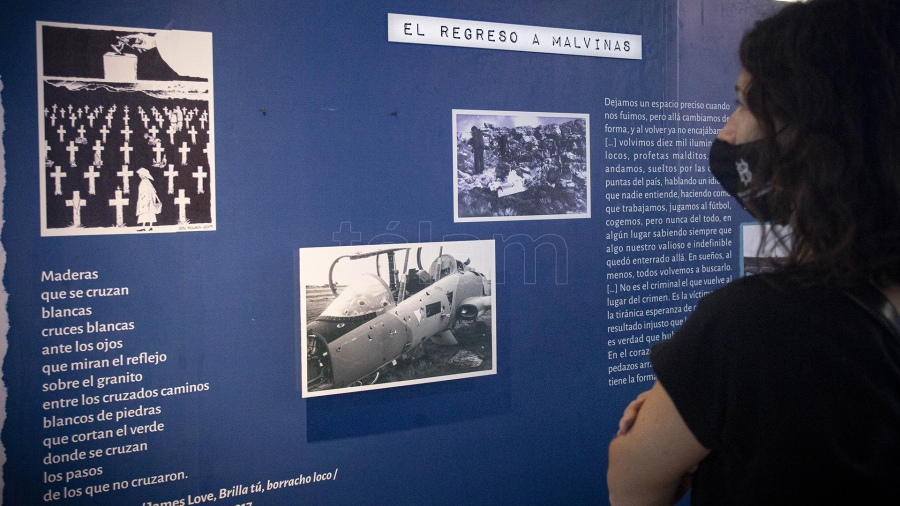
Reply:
x=356 y=133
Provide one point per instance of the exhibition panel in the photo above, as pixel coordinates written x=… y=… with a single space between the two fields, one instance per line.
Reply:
x=336 y=252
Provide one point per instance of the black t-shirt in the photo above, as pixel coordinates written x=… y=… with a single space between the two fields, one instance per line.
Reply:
x=795 y=390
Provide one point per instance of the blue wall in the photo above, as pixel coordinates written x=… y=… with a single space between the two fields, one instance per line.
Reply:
x=323 y=126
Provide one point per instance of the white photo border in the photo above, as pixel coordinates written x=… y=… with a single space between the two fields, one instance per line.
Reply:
x=315 y=261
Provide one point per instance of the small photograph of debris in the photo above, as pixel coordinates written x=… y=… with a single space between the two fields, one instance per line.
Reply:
x=520 y=165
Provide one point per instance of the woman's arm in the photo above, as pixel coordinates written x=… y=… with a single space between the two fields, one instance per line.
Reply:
x=652 y=453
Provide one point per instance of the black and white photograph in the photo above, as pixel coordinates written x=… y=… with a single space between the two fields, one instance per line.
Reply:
x=758 y=257
x=126 y=130
x=520 y=165
x=381 y=316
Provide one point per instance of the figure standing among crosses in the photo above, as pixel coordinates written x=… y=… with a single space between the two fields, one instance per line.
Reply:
x=78 y=146
x=148 y=204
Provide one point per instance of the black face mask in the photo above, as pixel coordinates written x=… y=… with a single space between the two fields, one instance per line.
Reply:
x=732 y=165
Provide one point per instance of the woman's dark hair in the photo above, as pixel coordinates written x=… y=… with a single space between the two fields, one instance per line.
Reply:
x=825 y=87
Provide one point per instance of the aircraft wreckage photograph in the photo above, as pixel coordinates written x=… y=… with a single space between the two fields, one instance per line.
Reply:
x=381 y=316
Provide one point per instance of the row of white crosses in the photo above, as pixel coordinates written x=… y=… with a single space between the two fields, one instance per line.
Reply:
x=179 y=118
x=172 y=173
x=176 y=121
x=126 y=149
x=125 y=174
x=76 y=203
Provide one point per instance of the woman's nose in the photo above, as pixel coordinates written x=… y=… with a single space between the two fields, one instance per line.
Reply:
x=728 y=133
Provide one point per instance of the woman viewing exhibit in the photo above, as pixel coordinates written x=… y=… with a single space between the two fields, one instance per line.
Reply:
x=784 y=387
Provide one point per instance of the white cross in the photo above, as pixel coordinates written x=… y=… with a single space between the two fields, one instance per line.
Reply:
x=203 y=120
x=58 y=175
x=181 y=201
x=53 y=120
x=193 y=135
x=159 y=119
x=62 y=113
x=62 y=131
x=76 y=204
x=127 y=150
x=171 y=132
x=158 y=149
x=104 y=131
x=70 y=109
x=119 y=202
x=54 y=108
x=125 y=109
x=109 y=117
x=91 y=119
x=200 y=175
x=100 y=108
x=80 y=130
x=46 y=112
x=171 y=173
x=127 y=133
x=97 y=149
x=144 y=120
x=72 y=149
x=72 y=119
x=79 y=113
x=126 y=118
x=91 y=176
x=153 y=131
x=125 y=174
x=184 y=151
x=46 y=150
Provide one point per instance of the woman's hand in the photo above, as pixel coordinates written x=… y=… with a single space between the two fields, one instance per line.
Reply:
x=631 y=413
x=651 y=459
